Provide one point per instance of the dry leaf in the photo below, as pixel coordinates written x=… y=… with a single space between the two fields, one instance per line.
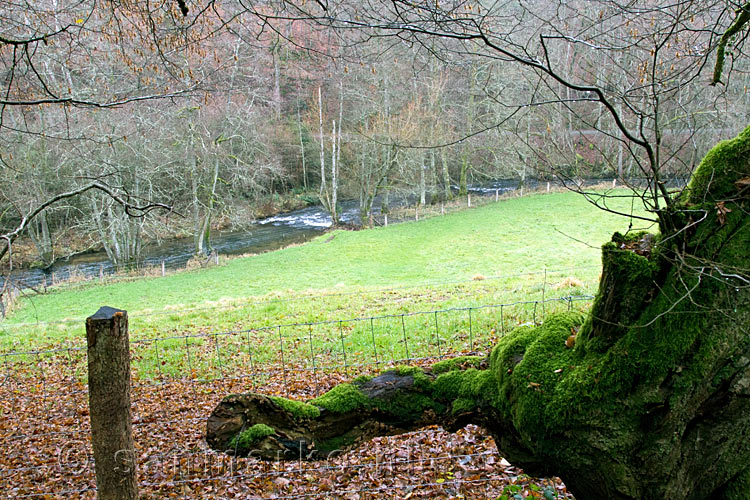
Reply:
x=721 y=212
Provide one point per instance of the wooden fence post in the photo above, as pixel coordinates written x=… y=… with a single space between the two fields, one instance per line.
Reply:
x=109 y=404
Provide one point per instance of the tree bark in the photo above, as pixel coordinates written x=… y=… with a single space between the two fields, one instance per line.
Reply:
x=109 y=404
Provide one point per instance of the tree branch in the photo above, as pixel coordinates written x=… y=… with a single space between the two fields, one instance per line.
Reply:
x=743 y=17
x=131 y=209
x=273 y=428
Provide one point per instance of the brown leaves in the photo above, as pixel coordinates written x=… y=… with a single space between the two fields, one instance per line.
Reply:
x=46 y=448
x=742 y=184
x=721 y=212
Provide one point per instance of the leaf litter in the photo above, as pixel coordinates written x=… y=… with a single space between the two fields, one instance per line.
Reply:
x=46 y=448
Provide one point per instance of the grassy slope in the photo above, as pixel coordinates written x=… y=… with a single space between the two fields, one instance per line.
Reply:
x=510 y=237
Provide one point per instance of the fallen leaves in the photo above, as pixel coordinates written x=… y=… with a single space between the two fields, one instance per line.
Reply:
x=743 y=183
x=721 y=212
x=46 y=449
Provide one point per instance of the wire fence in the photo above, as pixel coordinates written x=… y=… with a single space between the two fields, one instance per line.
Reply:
x=31 y=282
x=178 y=380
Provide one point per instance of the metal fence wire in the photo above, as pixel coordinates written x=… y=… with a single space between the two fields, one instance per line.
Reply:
x=45 y=447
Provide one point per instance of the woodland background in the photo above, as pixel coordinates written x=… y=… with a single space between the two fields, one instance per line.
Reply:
x=234 y=111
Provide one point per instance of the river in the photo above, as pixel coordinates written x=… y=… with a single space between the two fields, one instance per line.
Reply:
x=263 y=235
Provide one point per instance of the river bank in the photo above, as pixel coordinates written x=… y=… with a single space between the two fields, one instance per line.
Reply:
x=280 y=229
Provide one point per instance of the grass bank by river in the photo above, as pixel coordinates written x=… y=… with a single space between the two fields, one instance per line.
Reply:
x=490 y=254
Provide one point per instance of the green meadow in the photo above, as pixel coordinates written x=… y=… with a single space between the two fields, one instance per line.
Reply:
x=541 y=246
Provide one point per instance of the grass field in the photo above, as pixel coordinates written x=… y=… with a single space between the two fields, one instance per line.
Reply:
x=295 y=322
x=492 y=254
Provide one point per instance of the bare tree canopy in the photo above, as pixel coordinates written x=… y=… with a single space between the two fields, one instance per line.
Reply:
x=549 y=89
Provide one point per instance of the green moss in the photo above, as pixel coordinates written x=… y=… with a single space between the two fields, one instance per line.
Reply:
x=338 y=443
x=243 y=442
x=405 y=406
x=510 y=350
x=722 y=166
x=738 y=488
x=463 y=405
x=296 y=408
x=466 y=389
x=627 y=283
x=342 y=399
x=528 y=388
x=459 y=363
x=421 y=380
x=362 y=379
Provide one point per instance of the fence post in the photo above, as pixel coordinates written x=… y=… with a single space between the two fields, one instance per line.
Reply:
x=109 y=404
x=163 y=269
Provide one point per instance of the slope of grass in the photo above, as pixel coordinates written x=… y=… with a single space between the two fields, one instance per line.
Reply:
x=349 y=273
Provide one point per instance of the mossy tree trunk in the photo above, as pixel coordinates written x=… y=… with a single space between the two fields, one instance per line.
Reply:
x=651 y=402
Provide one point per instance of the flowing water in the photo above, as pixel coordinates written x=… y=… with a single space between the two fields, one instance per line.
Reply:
x=264 y=235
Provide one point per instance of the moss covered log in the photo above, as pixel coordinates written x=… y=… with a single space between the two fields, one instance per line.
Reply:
x=651 y=401
x=395 y=402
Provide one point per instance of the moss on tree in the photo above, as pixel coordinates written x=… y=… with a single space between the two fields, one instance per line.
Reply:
x=297 y=408
x=343 y=398
x=652 y=400
x=244 y=441
x=723 y=165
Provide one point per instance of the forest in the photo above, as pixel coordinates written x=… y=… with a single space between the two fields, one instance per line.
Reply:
x=219 y=113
